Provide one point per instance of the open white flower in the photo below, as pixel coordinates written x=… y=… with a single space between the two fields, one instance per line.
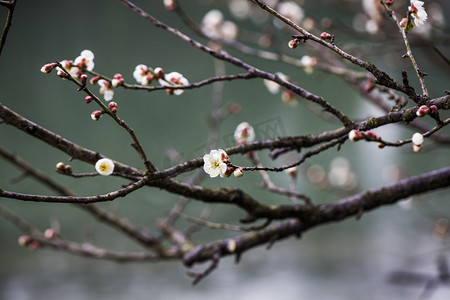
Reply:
x=174 y=79
x=215 y=163
x=418 y=12
x=143 y=74
x=244 y=133
x=106 y=89
x=104 y=166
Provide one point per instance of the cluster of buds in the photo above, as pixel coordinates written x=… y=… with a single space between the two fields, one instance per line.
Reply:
x=356 y=135
x=28 y=241
x=423 y=110
x=63 y=168
x=117 y=80
x=417 y=141
x=113 y=107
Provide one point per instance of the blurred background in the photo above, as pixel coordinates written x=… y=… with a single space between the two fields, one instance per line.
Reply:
x=391 y=253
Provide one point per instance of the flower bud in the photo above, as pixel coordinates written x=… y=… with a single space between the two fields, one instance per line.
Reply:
x=88 y=99
x=68 y=169
x=24 y=240
x=47 y=68
x=417 y=139
x=113 y=107
x=355 y=135
x=83 y=79
x=96 y=114
x=117 y=80
x=228 y=172
x=170 y=5
x=422 y=111
x=95 y=79
x=416 y=148
x=294 y=43
x=238 y=172
x=325 y=36
x=403 y=22
x=62 y=74
x=50 y=233
x=60 y=167
x=159 y=72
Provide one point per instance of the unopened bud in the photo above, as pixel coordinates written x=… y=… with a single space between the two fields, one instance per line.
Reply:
x=50 y=233
x=355 y=135
x=96 y=114
x=325 y=36
x=416 y=148
x=159 y=72
x=62 y=74
x=170 y=4
x=60 y=167
x=24 y=240
x=88 y=99
x=68 y=169
x=294 y=43
x=417 y=139
x=238 y=172
x=422 y=111
x=113 y=107
x=403 y=22
x=117 y=80
x=47 y=68
x=95 y=79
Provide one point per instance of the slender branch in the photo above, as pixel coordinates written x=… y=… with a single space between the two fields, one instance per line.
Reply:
x=10 y=5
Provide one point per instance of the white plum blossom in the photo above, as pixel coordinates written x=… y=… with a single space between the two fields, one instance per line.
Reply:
x=244 y=133
x=104 y=166
x=106 y=89
x=174 y=79
x=417 y=139
x=214 y=26
x=272 y=86
x=143 y=74
x=215 y=163
x=308 y=63
x=85 y=61
x=418 y=12
x=290 y=10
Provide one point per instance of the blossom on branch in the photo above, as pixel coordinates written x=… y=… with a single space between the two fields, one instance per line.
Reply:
x=104 y=166
x=418 y=12
x=84 y=61
x=106 y=89
x=143 y=74
x=244 y=134
x=215 y=163
x=174 y=79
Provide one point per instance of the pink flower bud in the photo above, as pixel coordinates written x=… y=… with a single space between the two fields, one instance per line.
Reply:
x=60 y=167
x=117 y=80
x=68 y=169
x=325 y=36
x=113 y=107
x=422 y=111
x=228 y=172
x=83 y=79
x=50 y=233
x=95 y=79
x=416 y=148
x=96 y=114
x=47 y=68
x=62 y=74
x=389 y=2
x=371 y=135
x=294 y=43
x=88 y=99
